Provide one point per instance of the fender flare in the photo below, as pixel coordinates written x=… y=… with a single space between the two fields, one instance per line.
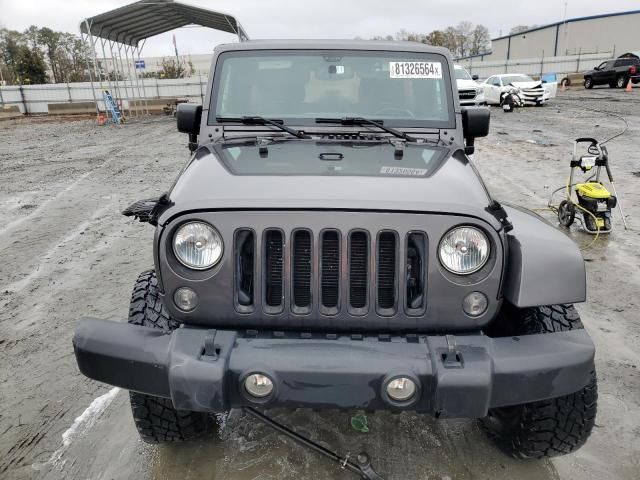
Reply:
x=544 y=266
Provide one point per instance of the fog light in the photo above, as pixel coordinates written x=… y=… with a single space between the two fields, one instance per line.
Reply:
x=258 y=385
x=401 y=389
x=475 y=304
x=185 y=299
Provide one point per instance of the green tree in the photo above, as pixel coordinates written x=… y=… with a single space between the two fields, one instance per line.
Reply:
x=30 y=66
x=50 y=42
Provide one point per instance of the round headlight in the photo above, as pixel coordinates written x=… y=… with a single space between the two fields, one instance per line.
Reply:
x=464 y=250
x=197 y=245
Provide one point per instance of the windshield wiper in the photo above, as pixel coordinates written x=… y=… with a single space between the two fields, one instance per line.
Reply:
x=366 y=121
x=255 y=120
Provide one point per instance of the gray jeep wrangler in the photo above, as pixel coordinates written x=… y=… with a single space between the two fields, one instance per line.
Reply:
x=331 y=245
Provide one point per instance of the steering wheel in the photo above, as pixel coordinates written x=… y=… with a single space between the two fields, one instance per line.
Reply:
x=395 y=109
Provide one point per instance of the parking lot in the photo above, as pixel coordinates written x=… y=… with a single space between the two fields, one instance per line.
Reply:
x=67 y=252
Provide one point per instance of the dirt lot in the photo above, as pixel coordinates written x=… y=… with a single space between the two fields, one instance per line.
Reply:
x=67 y=252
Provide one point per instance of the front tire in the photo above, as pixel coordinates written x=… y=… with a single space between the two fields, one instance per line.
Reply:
x=546 y=428
x=588 y=83
x=155 y=418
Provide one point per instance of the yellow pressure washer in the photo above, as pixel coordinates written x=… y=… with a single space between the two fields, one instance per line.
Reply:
x=593 y=199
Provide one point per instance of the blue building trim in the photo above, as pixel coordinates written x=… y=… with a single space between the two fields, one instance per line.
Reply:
x=571 y=20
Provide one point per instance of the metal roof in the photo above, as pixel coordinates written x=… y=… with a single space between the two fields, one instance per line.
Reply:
x=140 y=20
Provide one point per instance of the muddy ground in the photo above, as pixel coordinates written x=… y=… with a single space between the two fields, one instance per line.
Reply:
x=67 y=252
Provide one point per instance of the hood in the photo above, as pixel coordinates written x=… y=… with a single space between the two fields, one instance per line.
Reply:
x=452 y=186
x=533 y=84
x=467 y=84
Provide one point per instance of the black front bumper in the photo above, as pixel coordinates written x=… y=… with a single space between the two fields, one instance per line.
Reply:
x=462 y=376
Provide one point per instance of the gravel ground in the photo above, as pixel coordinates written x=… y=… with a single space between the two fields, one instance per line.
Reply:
x=67 y=252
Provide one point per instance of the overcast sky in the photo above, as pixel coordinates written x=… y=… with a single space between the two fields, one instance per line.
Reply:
x=315 y=18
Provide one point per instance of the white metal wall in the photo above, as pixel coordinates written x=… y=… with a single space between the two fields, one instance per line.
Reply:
x=35 y=98
x=616 y=34
x=534 y=66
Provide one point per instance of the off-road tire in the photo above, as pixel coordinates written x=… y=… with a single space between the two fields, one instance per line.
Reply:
x=588 y=83
x=547 y=428
x=155 y=418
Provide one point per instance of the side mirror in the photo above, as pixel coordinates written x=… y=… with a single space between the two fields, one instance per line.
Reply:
x=188 y=117
x=474 y=77
x=475 y=123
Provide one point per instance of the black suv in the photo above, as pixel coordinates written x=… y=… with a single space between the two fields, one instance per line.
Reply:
x=615 y=73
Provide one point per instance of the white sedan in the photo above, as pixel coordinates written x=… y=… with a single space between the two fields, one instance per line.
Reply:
x=532 y=92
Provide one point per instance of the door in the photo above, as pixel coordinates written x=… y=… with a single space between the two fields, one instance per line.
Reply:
x=492 y=90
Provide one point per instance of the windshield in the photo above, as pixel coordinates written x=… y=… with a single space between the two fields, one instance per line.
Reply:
x=311 y=157
x=462 y=74
x=298 y=86
x=516 y=78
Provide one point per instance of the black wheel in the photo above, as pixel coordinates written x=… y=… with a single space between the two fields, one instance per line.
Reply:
x=621 y=81
x=155 y=418
x=566 y=213
x=588 y=82
x=565 y=82
x=547 y=428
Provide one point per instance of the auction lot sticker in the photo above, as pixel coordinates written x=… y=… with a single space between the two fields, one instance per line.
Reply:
x=415 y=69
x=412 y=172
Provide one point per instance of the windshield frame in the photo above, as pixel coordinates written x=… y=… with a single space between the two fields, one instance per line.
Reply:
x=450 y=123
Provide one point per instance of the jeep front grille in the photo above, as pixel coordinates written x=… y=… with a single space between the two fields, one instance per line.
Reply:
x=318 y=268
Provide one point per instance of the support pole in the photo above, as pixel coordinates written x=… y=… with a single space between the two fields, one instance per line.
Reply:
x=135 y=75
x=127 y=70
x=104 y=59
x=93 y=88
x=119 y=74
x=138 y=49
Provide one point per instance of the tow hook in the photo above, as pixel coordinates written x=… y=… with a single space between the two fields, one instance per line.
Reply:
x=362 y=465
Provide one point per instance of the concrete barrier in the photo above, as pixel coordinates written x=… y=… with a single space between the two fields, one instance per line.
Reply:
x=155 y=106
x=78 y=108
x=9 y=111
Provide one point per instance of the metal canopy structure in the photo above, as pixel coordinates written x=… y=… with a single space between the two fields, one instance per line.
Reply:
x=138 y=21
x=127 y=28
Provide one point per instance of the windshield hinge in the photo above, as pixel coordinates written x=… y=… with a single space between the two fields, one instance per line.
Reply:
x=500 y=214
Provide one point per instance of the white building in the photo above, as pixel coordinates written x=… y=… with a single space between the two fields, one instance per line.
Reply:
x=613 y=33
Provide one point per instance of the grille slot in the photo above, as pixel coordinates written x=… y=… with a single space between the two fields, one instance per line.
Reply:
x=244 y=267
x=330 y=269
x=416 y=266
x=387 y=271
x=358 y=269
x=273 y=267
x=301 y=264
